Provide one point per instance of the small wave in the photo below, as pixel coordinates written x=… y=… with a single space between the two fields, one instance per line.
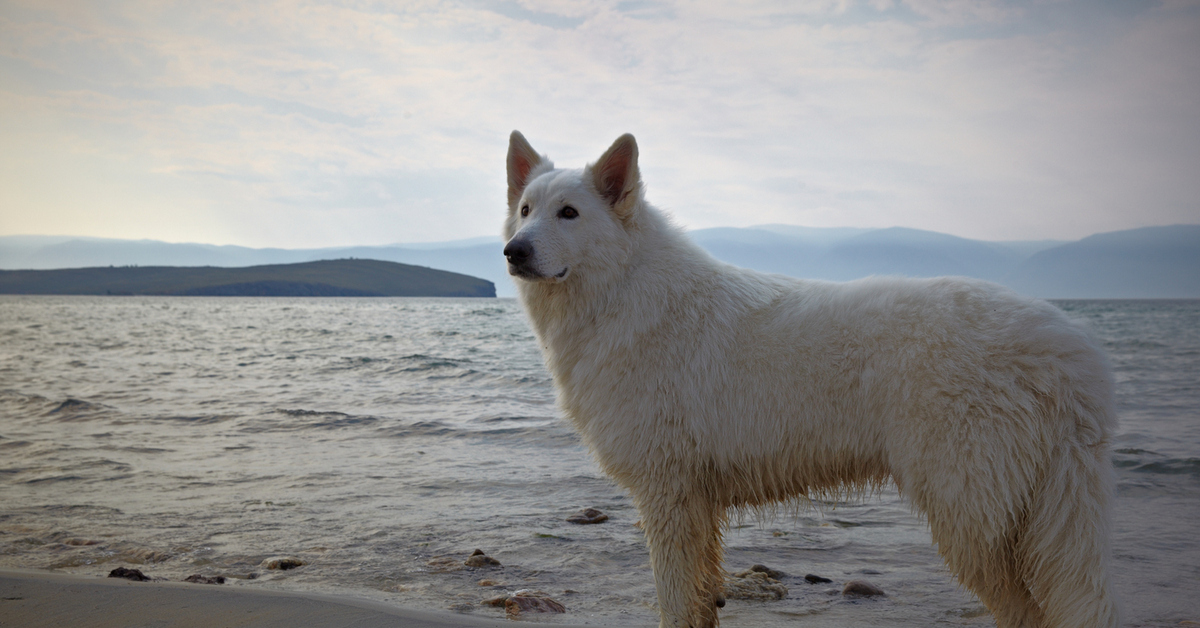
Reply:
x=72 y=405
x=139 y=450
x=195 y=420
x=466 y=374
x=421 y=357
x=1170 y=466
x=428 y=366
x=419 y=363
x=539 y=433
x=1133 y=344
x=1144 y=461
x=73 y=409
x=81 y=509
x=348 y=421
x=303 y=412
x=9 y=394
x=318 y=419
x=421 y=428
x=487 y=311
x=506 y=419
x=53 y=478
x=528 y=380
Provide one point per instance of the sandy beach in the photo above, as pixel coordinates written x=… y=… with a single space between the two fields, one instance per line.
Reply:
x=37 y=598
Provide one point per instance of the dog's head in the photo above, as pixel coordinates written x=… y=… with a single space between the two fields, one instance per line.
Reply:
x=564 y=223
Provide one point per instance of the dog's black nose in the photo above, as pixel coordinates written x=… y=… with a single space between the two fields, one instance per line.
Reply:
x=518 y=252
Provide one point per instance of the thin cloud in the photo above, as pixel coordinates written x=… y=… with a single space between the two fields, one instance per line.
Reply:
x=1004 y=120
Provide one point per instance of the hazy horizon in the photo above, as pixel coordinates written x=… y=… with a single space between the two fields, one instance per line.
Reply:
x=484 y=238
x=325 y=124
x=496 y=238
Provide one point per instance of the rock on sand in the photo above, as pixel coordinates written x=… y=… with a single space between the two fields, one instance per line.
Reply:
x=588 y=515
x=128 y=574
x=479 y=559
x=283 y=562
x=529 y=601
x=754 y=585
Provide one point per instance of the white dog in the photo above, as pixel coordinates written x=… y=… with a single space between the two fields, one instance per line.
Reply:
x=702 y=387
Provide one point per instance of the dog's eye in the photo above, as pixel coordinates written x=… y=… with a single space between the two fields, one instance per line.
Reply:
x=568 y=212
x=524 y=211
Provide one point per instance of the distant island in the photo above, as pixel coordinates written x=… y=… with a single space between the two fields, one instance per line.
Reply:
x=325 y=278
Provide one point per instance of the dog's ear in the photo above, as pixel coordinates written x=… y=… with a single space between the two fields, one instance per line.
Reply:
x=616 y=175
x=522 y=160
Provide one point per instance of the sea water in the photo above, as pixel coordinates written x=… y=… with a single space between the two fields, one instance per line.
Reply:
x=381 y=441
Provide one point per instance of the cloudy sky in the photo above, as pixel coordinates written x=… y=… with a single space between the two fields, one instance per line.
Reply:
x=312 y=123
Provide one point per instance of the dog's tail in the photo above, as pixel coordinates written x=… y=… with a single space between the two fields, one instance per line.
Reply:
x=1065 y=545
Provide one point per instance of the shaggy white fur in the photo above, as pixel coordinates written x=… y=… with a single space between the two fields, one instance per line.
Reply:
x=702 y=387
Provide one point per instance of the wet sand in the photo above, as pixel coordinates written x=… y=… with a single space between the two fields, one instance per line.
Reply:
x=34 y=598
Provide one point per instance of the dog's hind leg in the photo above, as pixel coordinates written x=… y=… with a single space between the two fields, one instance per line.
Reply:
x=1047 y=566
x=683 y=531
x=995 y=574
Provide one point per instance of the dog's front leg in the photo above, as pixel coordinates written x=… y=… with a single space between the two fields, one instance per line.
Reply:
x=683 y=530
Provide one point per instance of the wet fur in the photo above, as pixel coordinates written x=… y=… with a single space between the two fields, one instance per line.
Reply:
x=702 y=387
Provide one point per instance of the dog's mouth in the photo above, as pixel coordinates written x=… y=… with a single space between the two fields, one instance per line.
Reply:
x=524 y=272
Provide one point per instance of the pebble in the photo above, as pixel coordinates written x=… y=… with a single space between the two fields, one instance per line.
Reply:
x=588 y=515
x=283 y=563
x=517 y=604
x=773 y=574
x=128 y=574
x=861 y=587
x=479 y=559
x=815 y=579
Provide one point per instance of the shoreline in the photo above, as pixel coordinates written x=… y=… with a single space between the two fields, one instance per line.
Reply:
x=46 y=598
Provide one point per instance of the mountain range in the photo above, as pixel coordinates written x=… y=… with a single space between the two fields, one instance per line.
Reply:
x=1150 y=262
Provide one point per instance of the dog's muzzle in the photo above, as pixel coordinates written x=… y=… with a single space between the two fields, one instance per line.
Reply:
x=519 y=254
